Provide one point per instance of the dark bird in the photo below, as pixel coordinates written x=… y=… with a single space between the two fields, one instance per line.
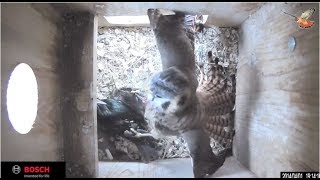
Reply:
x=178 y=104
x=121 y=118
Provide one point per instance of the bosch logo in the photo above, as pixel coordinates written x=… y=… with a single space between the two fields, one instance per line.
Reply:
x=16 y=169
x=33 y=169
x=36 y=169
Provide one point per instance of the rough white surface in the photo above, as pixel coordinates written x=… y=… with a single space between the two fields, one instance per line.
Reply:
x=127 y=57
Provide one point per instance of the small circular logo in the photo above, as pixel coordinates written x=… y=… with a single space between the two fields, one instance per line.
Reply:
x=16 y=169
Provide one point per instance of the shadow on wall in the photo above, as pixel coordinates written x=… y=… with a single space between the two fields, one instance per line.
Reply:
x=248 y=96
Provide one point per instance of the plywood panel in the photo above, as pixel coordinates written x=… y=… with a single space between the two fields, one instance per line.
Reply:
x=77 y=67
x=168 y=168
x=27 y=36
x=277 y=103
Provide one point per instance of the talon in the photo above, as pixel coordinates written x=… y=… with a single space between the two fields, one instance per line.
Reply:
x=139 y=135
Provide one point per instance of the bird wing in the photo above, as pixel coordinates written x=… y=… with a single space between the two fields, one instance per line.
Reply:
x=308 y=13
x=217 y=97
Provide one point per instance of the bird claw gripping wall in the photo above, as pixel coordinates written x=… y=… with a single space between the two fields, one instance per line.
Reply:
x=181 y=106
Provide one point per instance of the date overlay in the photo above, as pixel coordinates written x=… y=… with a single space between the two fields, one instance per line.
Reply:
x=307 y=175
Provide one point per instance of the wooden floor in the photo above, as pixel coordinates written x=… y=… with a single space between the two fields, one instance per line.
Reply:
x=173 y=168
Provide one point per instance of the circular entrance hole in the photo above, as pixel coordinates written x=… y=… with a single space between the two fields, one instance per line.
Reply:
x=22 y=98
